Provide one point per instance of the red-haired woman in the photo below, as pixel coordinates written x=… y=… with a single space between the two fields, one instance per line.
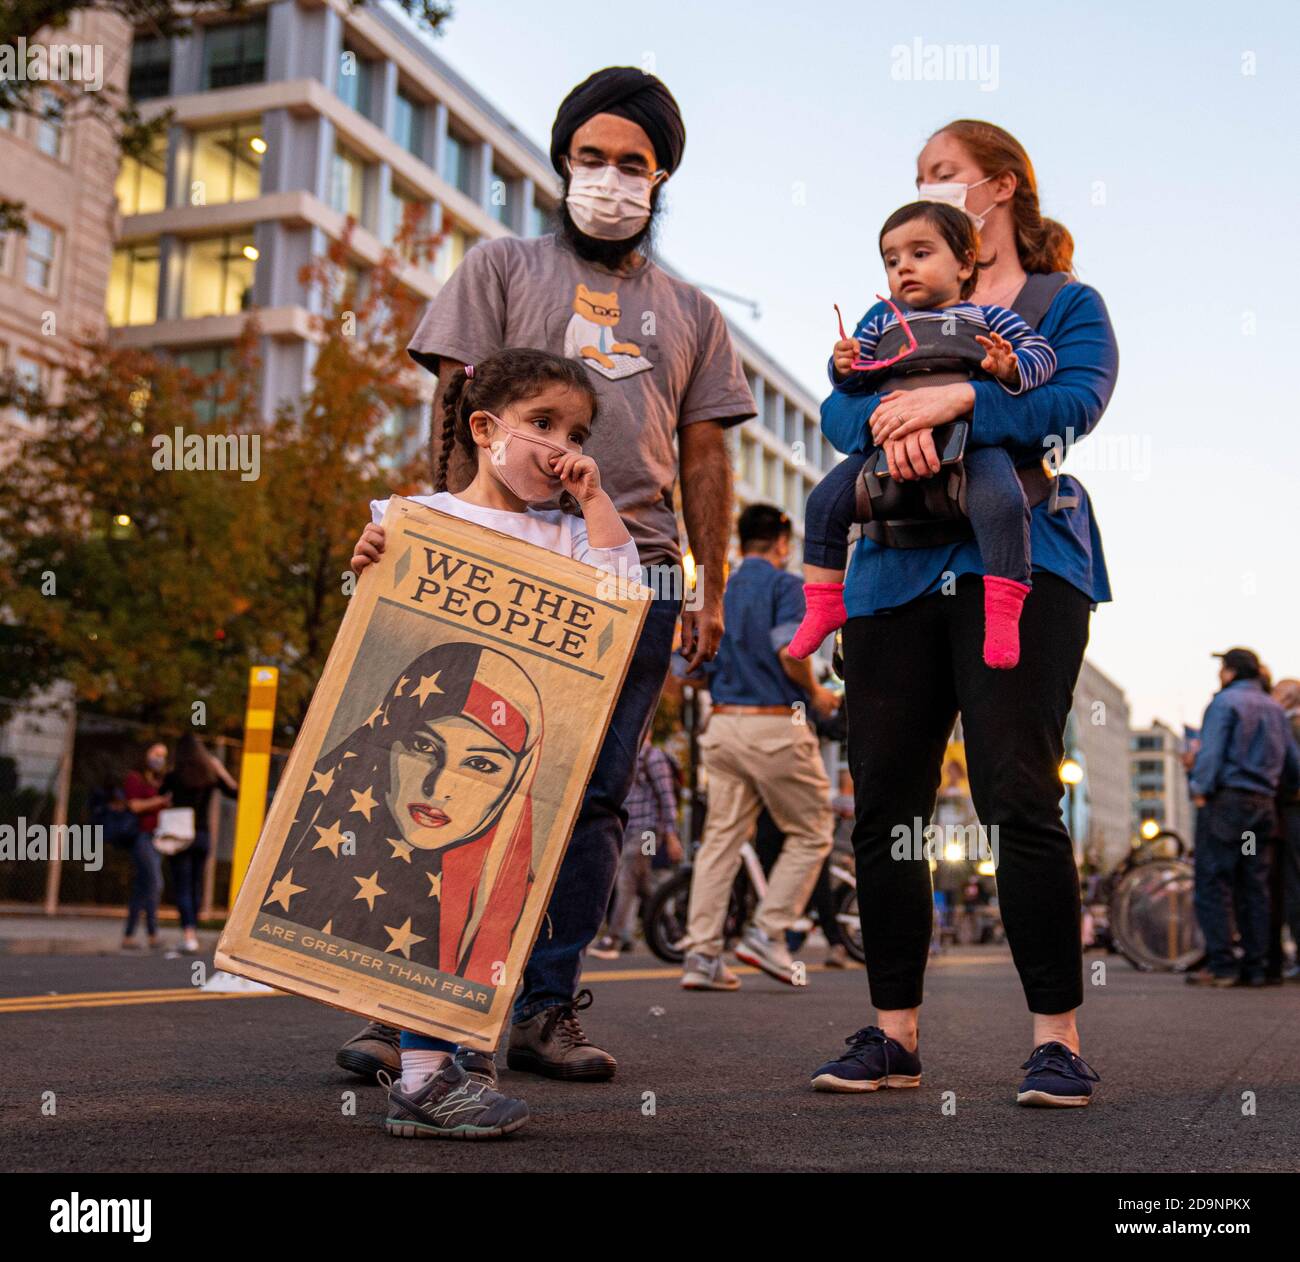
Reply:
x=913 y=647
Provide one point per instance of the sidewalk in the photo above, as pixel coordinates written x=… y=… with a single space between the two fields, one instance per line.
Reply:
x=26 y=934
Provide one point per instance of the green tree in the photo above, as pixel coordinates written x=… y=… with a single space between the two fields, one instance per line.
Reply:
x=152 y=587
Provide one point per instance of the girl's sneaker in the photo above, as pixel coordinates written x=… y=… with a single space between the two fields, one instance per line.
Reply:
x=452 y=1105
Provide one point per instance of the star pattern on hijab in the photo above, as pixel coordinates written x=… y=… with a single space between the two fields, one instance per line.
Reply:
x=427 y=687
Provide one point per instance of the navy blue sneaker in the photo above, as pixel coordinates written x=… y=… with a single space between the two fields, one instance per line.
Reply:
x=873 y=1060
x=1057 y=1078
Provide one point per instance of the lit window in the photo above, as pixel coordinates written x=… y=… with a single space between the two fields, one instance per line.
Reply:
x=234 y=54
x=42 y=253
x=227 y=164
x=142 y=181
x=133 y=285
x=347 y=184
x=455 y=243
x=219 y=276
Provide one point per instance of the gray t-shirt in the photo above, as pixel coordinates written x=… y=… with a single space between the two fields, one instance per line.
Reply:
x=657 y=350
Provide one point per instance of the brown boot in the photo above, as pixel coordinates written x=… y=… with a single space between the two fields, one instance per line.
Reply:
x=552 y=1043
x=373 y=1049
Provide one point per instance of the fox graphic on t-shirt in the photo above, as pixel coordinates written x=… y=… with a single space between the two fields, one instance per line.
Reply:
x=590 y=336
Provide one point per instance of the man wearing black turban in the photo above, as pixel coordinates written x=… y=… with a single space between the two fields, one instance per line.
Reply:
x=627 y=93
x=660 y=358
x=623 y=123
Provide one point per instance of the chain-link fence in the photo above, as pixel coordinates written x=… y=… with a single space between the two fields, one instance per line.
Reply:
x=52 y=761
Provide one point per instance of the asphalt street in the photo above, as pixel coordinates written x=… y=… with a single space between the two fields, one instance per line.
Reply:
x=146 y=1076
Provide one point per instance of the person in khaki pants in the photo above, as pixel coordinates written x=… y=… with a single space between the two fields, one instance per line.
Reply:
x=759 y=749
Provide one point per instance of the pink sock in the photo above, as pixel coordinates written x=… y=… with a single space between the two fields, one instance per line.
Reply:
x=825 y=613
x=1004 y=598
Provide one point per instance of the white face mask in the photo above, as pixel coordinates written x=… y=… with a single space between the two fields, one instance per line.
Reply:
x=955 y=195
x=608 y=205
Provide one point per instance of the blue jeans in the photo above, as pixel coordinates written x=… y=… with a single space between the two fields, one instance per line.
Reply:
x=586 y=878
x=146 y=885
x=187 y=879
x=1229 y=882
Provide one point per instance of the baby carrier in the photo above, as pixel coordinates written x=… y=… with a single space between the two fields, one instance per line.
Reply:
x=932 y=511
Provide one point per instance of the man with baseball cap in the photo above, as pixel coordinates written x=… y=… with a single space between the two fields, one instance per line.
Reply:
x=669 y=382
x=1247 y=756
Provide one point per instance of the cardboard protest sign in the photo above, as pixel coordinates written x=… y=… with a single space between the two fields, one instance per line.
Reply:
x=407 y=859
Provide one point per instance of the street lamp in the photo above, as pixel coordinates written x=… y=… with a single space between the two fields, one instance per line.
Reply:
x=1071 y=774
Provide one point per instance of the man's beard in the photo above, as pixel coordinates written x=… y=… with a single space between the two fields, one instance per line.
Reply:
x=610 y=254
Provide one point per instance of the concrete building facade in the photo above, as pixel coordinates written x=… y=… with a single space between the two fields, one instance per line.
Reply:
x=59 y=161
x=1159 y=789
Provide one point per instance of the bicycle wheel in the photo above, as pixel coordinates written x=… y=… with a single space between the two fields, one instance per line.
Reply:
x=846 y=916
x=1152 y=920
x=663 y=918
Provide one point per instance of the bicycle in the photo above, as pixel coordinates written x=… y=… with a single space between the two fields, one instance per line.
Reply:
x=663 y=917
x=1149 y=904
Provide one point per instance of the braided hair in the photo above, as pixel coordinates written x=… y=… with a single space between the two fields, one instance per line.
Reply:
x=494 y=383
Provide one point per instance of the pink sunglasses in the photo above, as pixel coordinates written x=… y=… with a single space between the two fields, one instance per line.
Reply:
x=870 y=365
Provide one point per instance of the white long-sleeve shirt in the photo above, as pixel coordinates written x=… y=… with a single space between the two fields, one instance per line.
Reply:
x=548 y=528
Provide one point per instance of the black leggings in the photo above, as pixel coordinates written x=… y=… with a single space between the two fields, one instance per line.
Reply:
x=907 y=674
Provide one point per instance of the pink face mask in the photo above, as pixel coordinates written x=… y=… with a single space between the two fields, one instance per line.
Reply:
x=525 y=466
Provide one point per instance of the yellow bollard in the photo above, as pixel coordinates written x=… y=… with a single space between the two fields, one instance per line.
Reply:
x=254 y=770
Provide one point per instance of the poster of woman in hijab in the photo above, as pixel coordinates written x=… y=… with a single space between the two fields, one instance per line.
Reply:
x=406 y=862
x=426 y=807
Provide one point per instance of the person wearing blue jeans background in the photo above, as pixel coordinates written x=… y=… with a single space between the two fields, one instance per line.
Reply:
x=1247 y=757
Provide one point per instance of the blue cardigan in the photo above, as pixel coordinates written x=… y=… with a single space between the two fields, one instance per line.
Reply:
x=1065 y=543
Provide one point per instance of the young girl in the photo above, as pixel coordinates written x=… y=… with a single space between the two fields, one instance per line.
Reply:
x=930 y=252
x=523 y=416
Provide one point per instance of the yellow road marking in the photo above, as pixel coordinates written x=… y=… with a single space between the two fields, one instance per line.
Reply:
x=186 y=994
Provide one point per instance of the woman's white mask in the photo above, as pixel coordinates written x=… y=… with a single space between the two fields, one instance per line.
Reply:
x=954 y=194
